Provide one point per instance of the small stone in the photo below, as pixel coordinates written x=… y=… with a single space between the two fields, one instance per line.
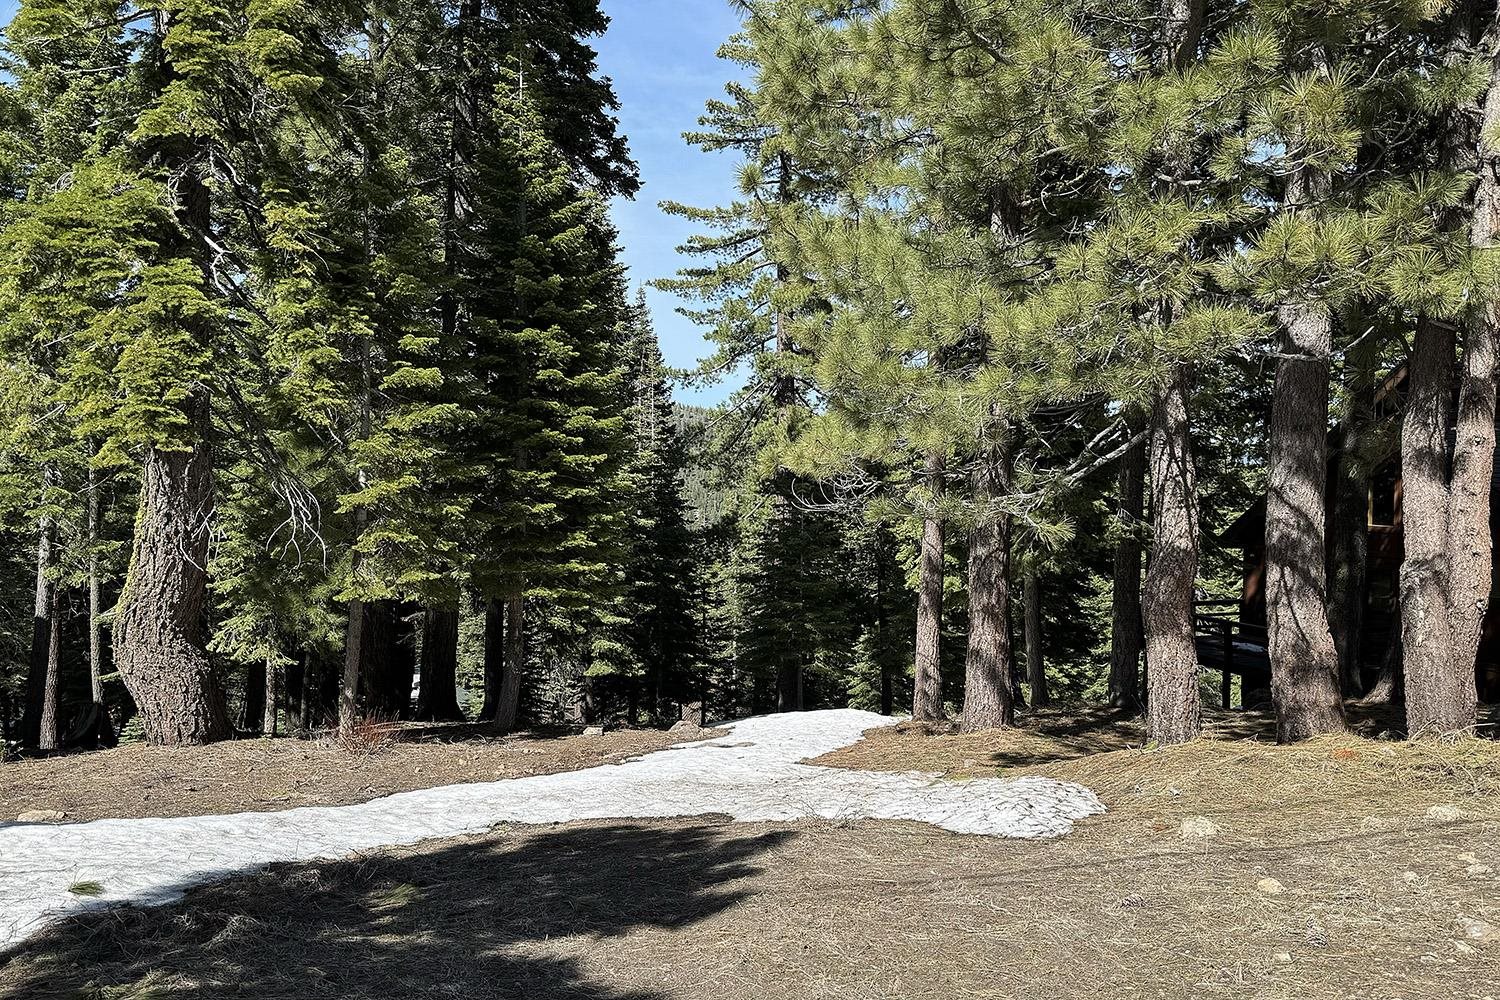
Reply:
x=1468 y=859
x=594 y=731
x=1134 y=901
x=1317 y=937
x=1480 y=930
x=41 y=816
x=1282 y=958
x=1270 y=887
x=686 y=726
x=1464 y=948
x=1199 y=828
x=1445 y=814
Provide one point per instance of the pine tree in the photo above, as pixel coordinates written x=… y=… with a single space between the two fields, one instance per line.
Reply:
x=544 y=403
x=1447 y=277
x=655 y=645
x=745 y=298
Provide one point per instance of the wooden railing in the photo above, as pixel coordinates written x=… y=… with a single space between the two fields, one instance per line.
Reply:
x=1218 y=628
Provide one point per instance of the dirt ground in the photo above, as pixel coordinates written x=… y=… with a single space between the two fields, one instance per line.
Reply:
x=268 y=775
x=1343 y=868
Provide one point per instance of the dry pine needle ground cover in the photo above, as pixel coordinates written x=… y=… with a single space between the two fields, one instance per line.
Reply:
x=1344 y=868
x=270 y=775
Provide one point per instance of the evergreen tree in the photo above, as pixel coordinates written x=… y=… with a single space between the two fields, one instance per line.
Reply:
x=543 y=396
x=656 y=645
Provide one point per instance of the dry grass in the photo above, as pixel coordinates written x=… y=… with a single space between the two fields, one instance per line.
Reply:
x=268 y=775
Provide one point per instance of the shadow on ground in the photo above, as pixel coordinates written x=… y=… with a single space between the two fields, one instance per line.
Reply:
x=471 y=919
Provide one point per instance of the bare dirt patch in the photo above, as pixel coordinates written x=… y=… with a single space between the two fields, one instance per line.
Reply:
x=269 y=775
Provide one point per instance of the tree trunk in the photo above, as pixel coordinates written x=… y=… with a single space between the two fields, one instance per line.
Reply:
x=1447 y=576
x=307 y=688
x=253 y=716
x=390 y=662
x=987 y=693
x=159 y=641
x=96 y=643
x=1350 y=551
x=927 y=700
x=1441 y=611
x=437 y=693
x=1174 y=704
x=1184 y=31
x=41 y=639
x=354 y=652
x=882 y=655
x=1036 y=664
x=494 y=657
x=508 y=708
x=1387 y=686
x=268 y=721
x=49 y=737
x=789 y=679
x=1126 y=636
x=1305 y=679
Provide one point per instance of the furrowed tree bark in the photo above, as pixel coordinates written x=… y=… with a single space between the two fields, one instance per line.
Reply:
x=987 y=692
x=1305 y=676
x=1125 y=633
x=1174 y=703
x=437 y=692
x=1036 y=664
x=159 y=635
x=927 y=697
x=1446 y=578
x=508 y=708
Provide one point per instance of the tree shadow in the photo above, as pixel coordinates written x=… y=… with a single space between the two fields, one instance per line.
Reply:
x=478 y=918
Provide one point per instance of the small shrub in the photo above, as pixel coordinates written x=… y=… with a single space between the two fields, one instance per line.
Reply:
x=368 y=736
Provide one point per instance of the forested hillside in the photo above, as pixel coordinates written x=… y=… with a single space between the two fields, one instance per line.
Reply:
x=326 y=398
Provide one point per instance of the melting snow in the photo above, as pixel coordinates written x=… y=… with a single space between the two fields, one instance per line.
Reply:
x=752 y=774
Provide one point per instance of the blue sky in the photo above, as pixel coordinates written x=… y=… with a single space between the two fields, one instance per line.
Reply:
x=660 y=54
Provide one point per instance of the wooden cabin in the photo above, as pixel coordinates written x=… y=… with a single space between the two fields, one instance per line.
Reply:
x=1232 y=635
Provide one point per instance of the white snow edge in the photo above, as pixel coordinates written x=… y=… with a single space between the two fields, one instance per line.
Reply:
x=753 y=775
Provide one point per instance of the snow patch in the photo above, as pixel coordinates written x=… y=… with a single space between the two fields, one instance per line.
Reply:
x=753 y=775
